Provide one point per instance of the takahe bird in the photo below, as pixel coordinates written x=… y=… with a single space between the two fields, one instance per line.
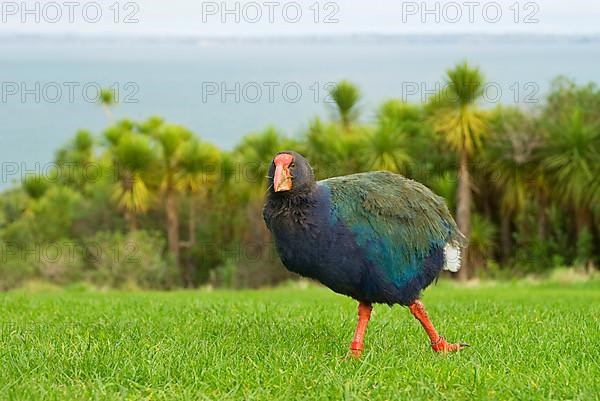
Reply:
x=377 y=237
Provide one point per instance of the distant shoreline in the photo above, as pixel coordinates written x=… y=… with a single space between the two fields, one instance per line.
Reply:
x=359 y=38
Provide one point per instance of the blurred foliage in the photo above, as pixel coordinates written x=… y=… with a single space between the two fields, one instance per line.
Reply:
x=131 y=260
x=148 y=204
x=345 y=96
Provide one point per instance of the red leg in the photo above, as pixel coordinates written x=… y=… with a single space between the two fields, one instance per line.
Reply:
x=364 y=314
x=438 y=343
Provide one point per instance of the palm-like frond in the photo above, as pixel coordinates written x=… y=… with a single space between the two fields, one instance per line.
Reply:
x=255 y=153
x=107 y=97
x=482 y=240
x=134 y=152
x=571 y=158
x=386 y=147
x=197 y=165
x=322 y=143
x=107 y=100
x=171 y=137
x=456 y=115
x=464 y=85
x=133 y=156
x=332 y=153
x=445 y=186
x=509 y=157
x=462 y=127
x=132 y=194
x=399 y=112
x=346 y=96
x=36 y=186
x=114 y=133
x=83 y=141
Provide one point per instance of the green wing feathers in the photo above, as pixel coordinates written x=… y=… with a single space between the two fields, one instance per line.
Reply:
x=395 y=208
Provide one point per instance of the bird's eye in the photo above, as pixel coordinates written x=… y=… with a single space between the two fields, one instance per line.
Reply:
x=292 y=165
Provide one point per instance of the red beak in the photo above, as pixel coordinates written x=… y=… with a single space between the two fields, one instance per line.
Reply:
x=282 y=179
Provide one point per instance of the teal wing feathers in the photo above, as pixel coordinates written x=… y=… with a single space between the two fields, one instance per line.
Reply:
x=397 y=221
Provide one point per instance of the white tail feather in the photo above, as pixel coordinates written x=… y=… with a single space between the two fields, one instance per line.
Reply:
x=451 y=258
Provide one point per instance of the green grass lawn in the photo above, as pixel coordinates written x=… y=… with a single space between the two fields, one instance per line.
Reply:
x=527 y=342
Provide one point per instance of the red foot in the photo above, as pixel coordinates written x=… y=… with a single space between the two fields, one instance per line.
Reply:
x=441 y=345
x=356 y=350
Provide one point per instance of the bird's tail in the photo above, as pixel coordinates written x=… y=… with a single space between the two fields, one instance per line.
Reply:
x=451 y=257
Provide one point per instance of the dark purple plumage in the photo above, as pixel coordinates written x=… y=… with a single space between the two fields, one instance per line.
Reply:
x=377 y=237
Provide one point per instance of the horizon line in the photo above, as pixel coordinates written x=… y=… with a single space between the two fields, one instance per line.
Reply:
x=308 y=35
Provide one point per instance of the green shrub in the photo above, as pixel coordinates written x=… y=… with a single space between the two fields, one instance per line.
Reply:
x=135 y=259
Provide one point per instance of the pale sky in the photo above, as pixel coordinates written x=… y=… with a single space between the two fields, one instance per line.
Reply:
x=205 y=18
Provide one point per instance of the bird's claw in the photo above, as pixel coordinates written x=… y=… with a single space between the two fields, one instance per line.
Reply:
x=355 y=352
x=442 y=346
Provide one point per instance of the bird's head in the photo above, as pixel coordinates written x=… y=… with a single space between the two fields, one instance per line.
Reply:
x=290 y=171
